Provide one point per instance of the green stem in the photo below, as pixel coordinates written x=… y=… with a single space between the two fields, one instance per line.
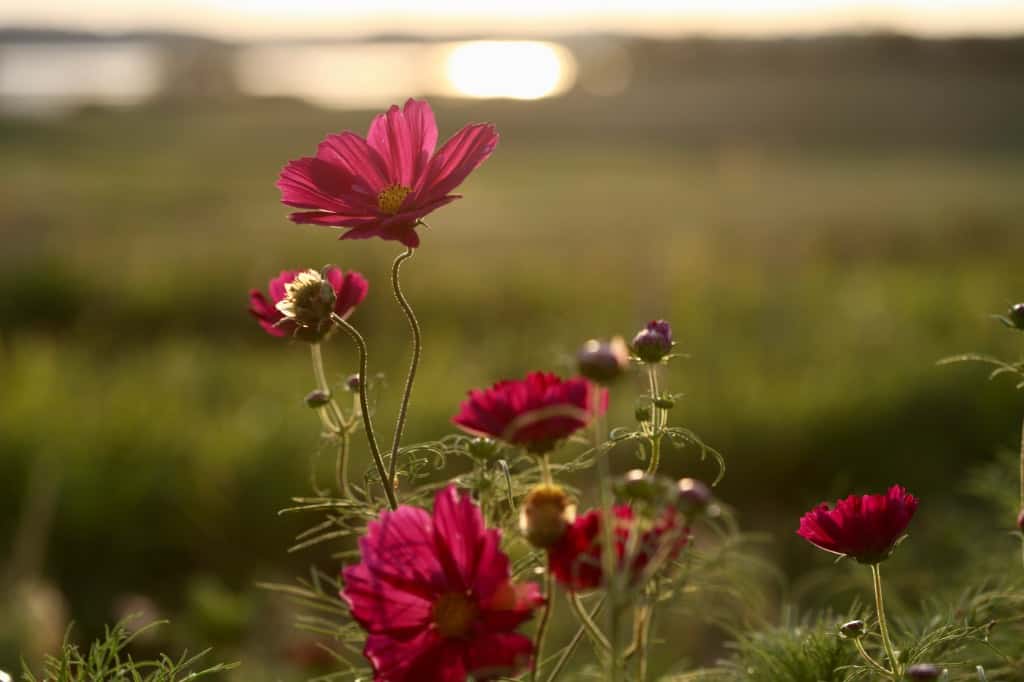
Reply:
x=545 y=469
x=1022 y=485
x=591 y=627
x=644 y=640
x=341 y=466
x=542 y=626
x=608 y=560
x=335 y=417
x=417 y=349
x=871 y=661
x=657 y=420
x=364 y=409
x=883 y=626
x=573 y=643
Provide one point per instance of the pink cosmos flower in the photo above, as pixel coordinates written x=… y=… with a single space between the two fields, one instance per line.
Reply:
x=576 y=560
x=382 y=185
x=349 y=289
x=865 y=527
x=434 y=593
x=534 y=412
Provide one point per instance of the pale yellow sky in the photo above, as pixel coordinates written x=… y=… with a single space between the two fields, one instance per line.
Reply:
x=295 y=18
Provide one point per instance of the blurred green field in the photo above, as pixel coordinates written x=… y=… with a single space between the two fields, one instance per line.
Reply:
x=814 y=285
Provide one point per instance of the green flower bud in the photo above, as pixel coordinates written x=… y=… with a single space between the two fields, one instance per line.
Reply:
x=665 y=402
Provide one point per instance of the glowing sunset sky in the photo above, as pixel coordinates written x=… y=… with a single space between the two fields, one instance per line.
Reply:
x=269 y=18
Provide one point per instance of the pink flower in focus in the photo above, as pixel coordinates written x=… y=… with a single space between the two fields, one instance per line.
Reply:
x=349 y=289
x=534 y=412
x=383 y=184
x=576 y=560
x=865 y=527
x=434 y=593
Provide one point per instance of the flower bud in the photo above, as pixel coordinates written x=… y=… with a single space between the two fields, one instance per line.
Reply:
x=852 y=630
x=353 y=382
x=923 y=671
x=603 y=361
x=654 y=342
x=483 y=449
x=694 y=496
x=642 y=413
x=546 y=515
x=1020 y=521
x=1016 y=316
x=317 y=398
x=638 y=485
x=665 y=402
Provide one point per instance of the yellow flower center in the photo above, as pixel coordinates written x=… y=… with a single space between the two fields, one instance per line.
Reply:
x=389 y=199
x=454 y=614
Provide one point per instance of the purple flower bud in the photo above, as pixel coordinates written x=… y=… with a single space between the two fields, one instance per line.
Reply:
x=1016 y=316
x=317 y=398
x=603 y=361
x=653 y=342
x=924 y=671
x=694 y=496
x=352 y=383
x=1020 y=521
x=852 y=630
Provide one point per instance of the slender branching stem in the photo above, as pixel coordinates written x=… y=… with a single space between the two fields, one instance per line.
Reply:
x=417 y=349
x=883 y=626
x=371 y=438
x=588 y=623
x=646 y=618
x=334 y=413
x=657 y=420
x=542 y=626
x=545 y=469
x=608 y=560
x=570 y=648
x=341 y=465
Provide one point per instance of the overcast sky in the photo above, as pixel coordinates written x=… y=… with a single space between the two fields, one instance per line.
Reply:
x=268 y=18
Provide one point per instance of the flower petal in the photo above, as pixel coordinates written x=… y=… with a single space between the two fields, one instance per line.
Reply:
x=395 y=660
x=363 y=163
x=498 y=654
x=460 y=536
x=404 y=139
x=349 y=289
x=459 y=156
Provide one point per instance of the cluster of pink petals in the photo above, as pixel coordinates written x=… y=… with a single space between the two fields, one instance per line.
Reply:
x=576 y=560
x=865 y=527
x=534 y=412
x=383 y=184
x=435 y=594
x=349 y=289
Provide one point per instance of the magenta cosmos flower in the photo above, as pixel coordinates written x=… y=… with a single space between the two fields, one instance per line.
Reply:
x=865 y=527
x=349 y=291
x=575 y=560
x=534 y=412
x=383 y=184
x=435 y=594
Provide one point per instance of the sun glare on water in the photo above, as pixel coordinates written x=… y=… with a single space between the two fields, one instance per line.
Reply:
x=514 y=69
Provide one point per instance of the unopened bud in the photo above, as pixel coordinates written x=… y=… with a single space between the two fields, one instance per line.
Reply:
x=353 y=382
x=483 y=449
x=546 y=515
x=643 y=413
x=653 y=342
x=694 y=496
x=923 y=671
x=317 y=398
x=603 y=361
x=853 y=630
x=665 y=402
x=1016 y=316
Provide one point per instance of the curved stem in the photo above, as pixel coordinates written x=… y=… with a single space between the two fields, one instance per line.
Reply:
x=573 y=643
x=883 y=626
x=341 y=466
x=542 y=626
x=871 y=661
x=335 y=416
x=371 y=438
x=591 y=628
x=417 y=349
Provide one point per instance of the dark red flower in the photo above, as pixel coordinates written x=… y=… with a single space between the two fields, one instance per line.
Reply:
x=349 y=290
x=383 y=184
x=865 y=527
x=576 y=559
x=434 y=592
x=534 y=412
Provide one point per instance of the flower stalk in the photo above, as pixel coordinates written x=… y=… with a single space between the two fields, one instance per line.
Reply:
x=658 y=419
x=883 y=626
x=417 y=349
x=364 y=409
x=542 y=626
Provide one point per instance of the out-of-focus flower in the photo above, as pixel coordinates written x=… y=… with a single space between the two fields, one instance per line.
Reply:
x=864 y=527
x=1016 y=316
x=383 y=184
x=546 y=515
x=576 y=560
x=694 y=496
x=353 y=382
x=535 y=412
x=924 y=671
x=652 y=343
x=1020 y=521
x=300 y=302
x=435 y=594
x=853 y=629
x=603 y=361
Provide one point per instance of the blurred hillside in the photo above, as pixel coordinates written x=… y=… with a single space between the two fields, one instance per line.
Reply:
x=820 y=219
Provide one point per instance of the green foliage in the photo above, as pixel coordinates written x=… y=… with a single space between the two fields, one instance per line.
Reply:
x=107 y=660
